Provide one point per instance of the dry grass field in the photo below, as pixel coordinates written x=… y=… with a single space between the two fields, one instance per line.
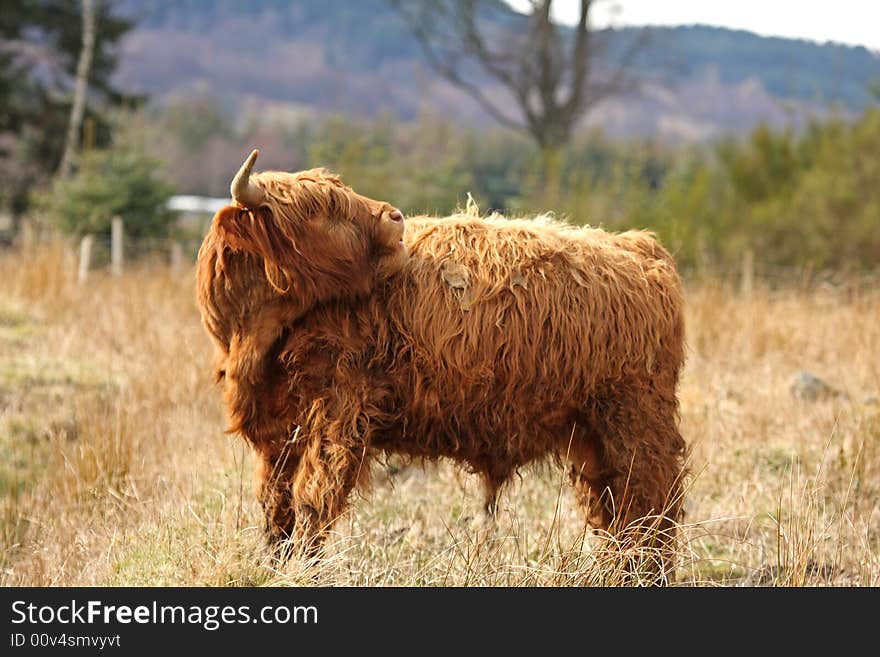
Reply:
x=115 y=468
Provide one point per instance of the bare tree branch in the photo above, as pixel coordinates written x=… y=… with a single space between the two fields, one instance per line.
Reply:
x=475 y=44
x=448 y=67
x=580 y=60
x=620 y=80
x=549 y=79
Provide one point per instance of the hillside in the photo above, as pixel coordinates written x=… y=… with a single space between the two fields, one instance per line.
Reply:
x=284 y=60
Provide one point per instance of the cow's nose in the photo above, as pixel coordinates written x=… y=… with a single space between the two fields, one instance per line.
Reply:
x=396 y=215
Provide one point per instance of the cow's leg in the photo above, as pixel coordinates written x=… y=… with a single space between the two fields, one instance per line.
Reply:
x=335 y=458
x=327 y=475
x=635 y=471
x=493 y=479
x=275 y=470
x=586 y=476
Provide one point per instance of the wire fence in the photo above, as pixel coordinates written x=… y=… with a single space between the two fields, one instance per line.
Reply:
x=146 y=249
x=754 y=275
x=118 y=251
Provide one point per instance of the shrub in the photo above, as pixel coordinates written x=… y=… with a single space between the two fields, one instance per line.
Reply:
x=112 y=182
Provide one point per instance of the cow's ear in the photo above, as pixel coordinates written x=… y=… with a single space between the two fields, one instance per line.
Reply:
x=230 y=223
x=247 y=230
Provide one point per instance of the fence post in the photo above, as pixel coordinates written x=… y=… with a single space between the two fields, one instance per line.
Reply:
x=26 y=235
x=116 y=243
x=747 y=282
x=176 y=256
x=85 y=257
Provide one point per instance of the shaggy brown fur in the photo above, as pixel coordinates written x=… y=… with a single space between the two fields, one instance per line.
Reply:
x=493 y=342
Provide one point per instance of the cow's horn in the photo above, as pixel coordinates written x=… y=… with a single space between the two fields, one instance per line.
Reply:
x=243 y=190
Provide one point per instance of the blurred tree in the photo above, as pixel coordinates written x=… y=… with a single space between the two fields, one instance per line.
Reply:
x=548 y=71
x=121 y=181
x=195 y=121
x=40 y=46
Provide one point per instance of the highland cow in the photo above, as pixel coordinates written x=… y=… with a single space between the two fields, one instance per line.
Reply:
x=344 y=332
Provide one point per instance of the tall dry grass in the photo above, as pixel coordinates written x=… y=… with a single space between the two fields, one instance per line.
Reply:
x=115 y=469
